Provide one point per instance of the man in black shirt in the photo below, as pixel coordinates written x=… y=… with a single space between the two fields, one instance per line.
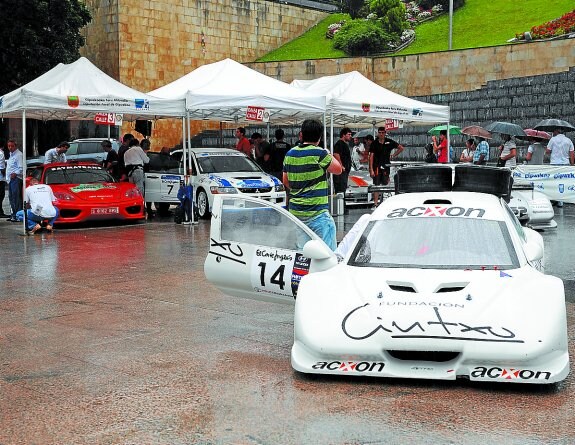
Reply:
x=342 y=153
x=111 y=161
x=274 y=158
x=380 y=158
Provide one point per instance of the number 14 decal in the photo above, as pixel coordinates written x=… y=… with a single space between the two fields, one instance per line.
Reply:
x=277 y=277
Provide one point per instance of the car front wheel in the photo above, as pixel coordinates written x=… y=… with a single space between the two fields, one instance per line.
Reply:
x=203 y=204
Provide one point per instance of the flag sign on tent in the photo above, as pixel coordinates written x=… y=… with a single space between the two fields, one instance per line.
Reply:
x=392 y=124
x=108 y=119
x=257 y=114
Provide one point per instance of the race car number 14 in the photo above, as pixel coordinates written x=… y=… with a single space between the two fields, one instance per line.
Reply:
x=271 y=271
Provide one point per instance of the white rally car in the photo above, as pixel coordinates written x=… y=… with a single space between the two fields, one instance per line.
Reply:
x=438 y=285
x=215 y=171
x=532 y=208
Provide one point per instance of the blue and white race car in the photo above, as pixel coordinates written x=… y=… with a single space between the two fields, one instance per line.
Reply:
x=215 y=171
x=436 y=285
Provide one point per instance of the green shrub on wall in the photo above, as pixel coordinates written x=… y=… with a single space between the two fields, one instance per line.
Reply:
x=362 y=37
x=391 y=15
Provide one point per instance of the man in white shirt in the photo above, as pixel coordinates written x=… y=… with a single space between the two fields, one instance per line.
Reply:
x=14 y=170
x=561 y=149
x=39 y=206
x=134 y=160
x=57 y=154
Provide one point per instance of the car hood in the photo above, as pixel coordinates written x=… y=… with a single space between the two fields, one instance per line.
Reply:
x=245 y=180
x=107 y=191
x=401 y=308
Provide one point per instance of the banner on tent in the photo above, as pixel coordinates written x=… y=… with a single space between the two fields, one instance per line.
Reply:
x=393 y=124
x=108 y=119
x=257 y=114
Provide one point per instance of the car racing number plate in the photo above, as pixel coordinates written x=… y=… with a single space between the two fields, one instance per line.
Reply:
x=170 y=186
x=278 y=271
x=105 y=211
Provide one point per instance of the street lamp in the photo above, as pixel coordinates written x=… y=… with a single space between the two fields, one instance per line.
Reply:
x=450 y=23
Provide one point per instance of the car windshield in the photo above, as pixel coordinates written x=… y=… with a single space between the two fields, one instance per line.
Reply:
x=435 y=243
x=76 y=174
x=226 y=163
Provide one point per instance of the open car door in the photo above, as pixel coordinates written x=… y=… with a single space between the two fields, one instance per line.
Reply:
x=256 y=250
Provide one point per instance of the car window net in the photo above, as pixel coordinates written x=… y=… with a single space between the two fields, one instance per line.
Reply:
x=435 y=243
x=259 y=224
x=77 y=175
x=225 y=164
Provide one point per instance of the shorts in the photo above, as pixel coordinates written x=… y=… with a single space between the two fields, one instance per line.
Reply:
x=382 y=176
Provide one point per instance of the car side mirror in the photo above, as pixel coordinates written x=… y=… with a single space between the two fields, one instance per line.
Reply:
x=323 y=258
x=533 y=251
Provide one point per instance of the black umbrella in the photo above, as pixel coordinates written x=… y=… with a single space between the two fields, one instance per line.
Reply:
x=363 y=133
x=505 y=128
x=553 y=124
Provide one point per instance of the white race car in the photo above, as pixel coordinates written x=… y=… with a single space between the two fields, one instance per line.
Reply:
x=438 y=285
x=532 y=208
x=215 y=171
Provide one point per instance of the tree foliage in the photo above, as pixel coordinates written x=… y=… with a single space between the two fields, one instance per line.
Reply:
x=352 y=7
x=362 y=37
x=391 y=14
x=36 y=35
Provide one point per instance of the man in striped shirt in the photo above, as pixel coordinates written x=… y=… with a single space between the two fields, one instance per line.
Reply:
x=304 y=176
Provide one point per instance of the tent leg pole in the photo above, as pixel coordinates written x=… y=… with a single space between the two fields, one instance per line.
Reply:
x=23 y=170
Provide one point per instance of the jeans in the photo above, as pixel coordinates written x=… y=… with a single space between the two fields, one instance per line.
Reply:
x=323 y=225
x=32 y=219
x=15 y=195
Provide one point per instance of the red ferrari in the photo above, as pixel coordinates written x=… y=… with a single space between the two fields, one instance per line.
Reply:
x=87 y=192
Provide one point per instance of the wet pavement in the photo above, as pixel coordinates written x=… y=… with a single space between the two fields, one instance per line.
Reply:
x=113 y=336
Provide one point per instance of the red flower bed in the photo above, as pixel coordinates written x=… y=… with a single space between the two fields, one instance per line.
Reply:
x=557 y=27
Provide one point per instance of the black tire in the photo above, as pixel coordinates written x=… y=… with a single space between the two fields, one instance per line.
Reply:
x=203 y=204
x=423 y=179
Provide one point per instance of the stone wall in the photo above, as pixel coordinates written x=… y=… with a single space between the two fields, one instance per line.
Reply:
x=149 y=43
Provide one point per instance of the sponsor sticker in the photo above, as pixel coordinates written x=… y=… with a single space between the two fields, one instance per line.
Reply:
x=438 y=211
x=350 y=366
x=497 y=373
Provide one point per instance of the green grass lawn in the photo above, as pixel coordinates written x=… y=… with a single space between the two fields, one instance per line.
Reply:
x=311 y=45
x=477 y=24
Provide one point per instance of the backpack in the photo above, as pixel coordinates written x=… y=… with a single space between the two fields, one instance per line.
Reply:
x=430 y=157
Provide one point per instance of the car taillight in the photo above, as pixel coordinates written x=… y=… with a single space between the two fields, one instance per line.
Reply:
x=360 y=182
x=133 y=193
x=63 y=196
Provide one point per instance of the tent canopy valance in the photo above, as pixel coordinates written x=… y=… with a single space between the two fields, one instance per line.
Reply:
x=77 y=91
x=352 y=98
x=224 y=90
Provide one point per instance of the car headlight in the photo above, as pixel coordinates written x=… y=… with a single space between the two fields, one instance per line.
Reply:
x=279 y=188
x=133 y=193
x=222 y=190
x=63 y=196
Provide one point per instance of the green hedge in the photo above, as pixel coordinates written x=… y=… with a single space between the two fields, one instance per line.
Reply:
x=362 y=37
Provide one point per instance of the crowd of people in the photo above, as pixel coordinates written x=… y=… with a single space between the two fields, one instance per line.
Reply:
x=301 y=166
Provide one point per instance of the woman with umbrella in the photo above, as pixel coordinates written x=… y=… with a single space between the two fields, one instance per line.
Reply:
x=535 y=151
x=508 y=154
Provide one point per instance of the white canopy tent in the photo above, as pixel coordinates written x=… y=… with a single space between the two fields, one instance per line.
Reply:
x=77 y=91
x=224 y=90
x=352 y=98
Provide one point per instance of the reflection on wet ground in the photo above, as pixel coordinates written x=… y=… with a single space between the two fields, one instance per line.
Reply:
x=112 y=335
